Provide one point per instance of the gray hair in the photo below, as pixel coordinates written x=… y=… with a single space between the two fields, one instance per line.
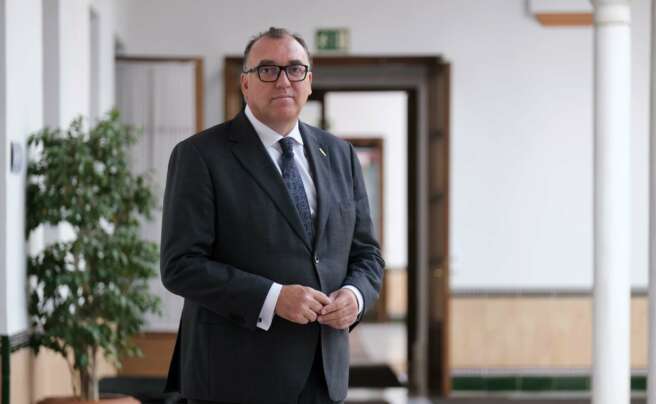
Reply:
x=275 y=33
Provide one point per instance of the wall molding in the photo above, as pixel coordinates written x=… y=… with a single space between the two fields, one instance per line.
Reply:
x=19 y=340
x=565 y=19
x=562 y=13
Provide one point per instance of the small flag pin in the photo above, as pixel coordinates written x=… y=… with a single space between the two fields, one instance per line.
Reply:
x=323 y=152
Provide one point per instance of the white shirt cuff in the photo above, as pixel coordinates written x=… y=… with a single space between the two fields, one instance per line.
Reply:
x=269 y=307
x=358 y=296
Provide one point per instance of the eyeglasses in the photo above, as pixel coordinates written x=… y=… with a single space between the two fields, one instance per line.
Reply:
x=271 y=73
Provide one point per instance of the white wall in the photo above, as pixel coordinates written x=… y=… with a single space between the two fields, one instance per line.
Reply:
x=20 y=114
x=640 y=58
x=521 y=116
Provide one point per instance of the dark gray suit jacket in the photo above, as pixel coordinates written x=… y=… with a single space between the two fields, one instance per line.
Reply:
x=229 y=230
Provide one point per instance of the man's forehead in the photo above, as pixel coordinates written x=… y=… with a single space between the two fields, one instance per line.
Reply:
x=274 y=62
x=278 y=50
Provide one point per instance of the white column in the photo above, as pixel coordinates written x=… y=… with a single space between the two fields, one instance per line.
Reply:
x=612 y=207
x=21 y=113
x=651 y=376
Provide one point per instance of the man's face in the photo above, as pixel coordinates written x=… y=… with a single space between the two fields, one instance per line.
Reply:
x=276 y=104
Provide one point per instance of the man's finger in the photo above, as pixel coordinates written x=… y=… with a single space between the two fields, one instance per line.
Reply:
x=340 y=324
x=310 y=315
x=335 y=315
x=338 y=304
x=301 y=319
x=321 y=297
x=315 y=306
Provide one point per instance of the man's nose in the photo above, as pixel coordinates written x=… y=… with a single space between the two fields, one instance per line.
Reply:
x=283 y=80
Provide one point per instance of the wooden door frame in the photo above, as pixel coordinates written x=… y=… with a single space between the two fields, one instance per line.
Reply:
x=432 y=376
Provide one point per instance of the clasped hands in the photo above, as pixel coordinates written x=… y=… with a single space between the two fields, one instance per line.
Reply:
x=303 y=305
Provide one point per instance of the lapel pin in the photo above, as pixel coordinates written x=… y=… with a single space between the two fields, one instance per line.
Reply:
x=323 y=152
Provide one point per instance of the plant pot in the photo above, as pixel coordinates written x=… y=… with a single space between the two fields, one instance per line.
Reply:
x=104 y=399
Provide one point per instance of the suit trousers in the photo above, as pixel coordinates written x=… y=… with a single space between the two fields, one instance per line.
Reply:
x=315 y=390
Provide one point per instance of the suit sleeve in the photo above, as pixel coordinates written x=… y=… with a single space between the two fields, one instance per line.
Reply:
x=365 y=267
x=188 y=238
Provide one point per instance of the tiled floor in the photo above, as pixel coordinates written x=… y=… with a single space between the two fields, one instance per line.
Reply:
x=522 y=400
x=400 y=396
x=390 y=396
x=373 y=344
x=376 y=343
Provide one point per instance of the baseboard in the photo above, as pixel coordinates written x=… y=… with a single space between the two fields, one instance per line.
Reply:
x=19 y=340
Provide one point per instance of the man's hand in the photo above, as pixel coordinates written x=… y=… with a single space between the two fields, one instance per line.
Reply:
x=300 y=304
x=342 y=312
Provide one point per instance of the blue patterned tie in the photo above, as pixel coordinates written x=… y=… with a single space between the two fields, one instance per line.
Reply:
x=294 y=184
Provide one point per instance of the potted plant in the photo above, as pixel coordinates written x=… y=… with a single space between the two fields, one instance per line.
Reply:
x=89 y=294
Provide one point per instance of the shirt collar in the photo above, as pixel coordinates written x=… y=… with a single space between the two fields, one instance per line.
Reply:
x=268 y=136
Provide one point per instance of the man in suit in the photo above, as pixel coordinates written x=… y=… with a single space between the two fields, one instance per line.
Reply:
x=267 y=235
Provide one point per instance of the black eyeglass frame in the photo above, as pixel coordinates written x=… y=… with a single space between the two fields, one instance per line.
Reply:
x=280 y=69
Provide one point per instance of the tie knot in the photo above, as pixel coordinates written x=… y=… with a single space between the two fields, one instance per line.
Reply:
x=287 y=146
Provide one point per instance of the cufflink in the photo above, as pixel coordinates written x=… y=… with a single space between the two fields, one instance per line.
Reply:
x=259 y=320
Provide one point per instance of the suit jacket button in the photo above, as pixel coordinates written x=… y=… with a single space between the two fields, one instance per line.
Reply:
x=316 y=259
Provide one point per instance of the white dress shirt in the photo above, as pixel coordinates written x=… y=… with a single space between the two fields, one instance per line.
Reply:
x=270 y=138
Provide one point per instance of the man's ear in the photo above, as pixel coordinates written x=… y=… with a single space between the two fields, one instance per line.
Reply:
x=309 y=77
x=243 y=84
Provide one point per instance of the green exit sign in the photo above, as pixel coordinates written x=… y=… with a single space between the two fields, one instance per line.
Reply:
x=332 y=40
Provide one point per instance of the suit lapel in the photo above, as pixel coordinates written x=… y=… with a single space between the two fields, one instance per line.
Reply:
x=251 y=153
x=320 y=163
